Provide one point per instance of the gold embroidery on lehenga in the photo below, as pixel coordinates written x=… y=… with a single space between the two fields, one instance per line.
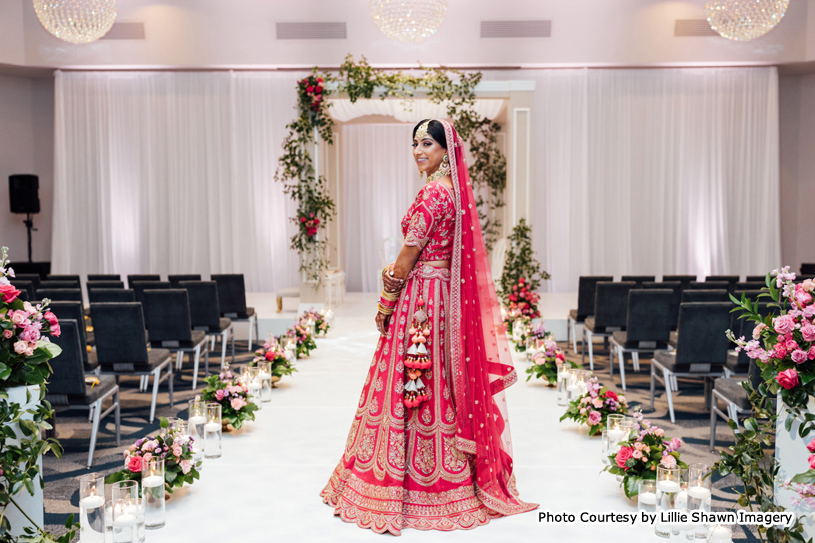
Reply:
x=454 y=460
x=396 y=450
x=425 y=455
x=450 y=415
x=366 y=447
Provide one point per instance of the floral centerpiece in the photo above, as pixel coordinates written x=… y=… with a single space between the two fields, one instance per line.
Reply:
x=546 y=361
x=783 y=343
x=321 y=324
x=516 y=324
x=175 y=448
x=594 y=407
x=25 y=355
x=275 y=354
x=310 y=224
x=302 y=337
x=639 y=457
x=233 y=396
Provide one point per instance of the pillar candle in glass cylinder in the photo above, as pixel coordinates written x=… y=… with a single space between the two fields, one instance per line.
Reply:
x=126 y=494
x=197 y=417
x=212 y=431
x=92 y=508
x=265 y=375
x=152 y=480
x=668 y=488
x=253 y=384
x=563 y=374
x=125 y=523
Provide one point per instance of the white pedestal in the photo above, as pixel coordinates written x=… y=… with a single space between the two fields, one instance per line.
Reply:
x=33 y=505
x=791 y=452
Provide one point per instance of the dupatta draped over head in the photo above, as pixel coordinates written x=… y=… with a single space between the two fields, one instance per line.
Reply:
x=480 y=361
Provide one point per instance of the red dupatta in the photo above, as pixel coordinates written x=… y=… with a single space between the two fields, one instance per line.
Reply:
x=480 y=360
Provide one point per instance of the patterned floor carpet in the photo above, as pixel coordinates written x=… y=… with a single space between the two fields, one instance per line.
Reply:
x=73 y=431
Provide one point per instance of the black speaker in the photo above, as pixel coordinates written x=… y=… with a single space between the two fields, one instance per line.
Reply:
x=22 y=190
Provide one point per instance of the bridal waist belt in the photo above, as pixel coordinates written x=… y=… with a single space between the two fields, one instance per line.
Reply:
x=425 y=271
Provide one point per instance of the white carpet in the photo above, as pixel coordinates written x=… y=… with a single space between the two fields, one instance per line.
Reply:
x=266 y=486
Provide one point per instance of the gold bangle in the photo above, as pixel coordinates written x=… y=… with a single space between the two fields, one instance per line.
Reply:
x=384 y=310
x=391 y=297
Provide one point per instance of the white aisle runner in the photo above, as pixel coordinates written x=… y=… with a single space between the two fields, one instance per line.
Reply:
x=266 y=485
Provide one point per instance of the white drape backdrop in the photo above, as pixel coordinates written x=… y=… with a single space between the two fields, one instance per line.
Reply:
x=173 y=173
x=380 y=181
x=657 y=172
x=635 y=171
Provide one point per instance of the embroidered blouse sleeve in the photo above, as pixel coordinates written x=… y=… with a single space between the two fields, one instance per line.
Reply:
x=421 y=219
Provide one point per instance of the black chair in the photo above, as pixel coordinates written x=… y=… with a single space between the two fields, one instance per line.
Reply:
x=26 y=288
x=701 y=349
x=750 y=285
x=143 y=277
x=732 y=393
x=807 y=269
x=586 y=289
x=74 y=311
x=731 y=280
x=756 y=279
x=33 y=277
x=638 y=279
x=710 y=285
x=104 y=277
x=111 y=295
x=175 y=280
x=140 y=286
x=647 y=329
x=67 y=386
x=676 y=299
x=167 y=313
x=610 y=314
x=72 y=278
x=232 y=301
x=205 y=314
x=60 y=294
x=104 y=284
x=684 y=280
x=121 y=349
x=705 y=295
x=53 y=284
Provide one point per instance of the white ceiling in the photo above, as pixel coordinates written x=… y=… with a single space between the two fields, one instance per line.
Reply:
x=221 y=34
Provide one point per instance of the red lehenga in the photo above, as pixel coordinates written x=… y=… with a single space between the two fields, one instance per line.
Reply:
x=445 y=464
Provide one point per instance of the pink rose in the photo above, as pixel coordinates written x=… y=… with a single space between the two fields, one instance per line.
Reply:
x=811 y=446
x=803 y=298
x=636 y=454
x=594 y=418
x=7 y=334
x=668 y=461
x=19 y=318
x=790 y=345
x=134 y=464
x=186 y=466
x=659 y=432
x=788 y=379
x=811 y=353
x=30 y=334
x=784 y=324
x=237 y=403
x=8 y=293
x=219 y=394
x=622 y=457
x=812 y=461
x=177 y=451
x=51 y=318
x=757 y=330
x=597 y=403
x=20 y=347
x=779 y=352
x=147 y=456
x=799 y=356
x=808 y=332
x=55 y=330
x=29 y=351
x=675 y=443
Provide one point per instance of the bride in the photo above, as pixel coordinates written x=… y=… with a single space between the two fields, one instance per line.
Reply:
x=429 y=447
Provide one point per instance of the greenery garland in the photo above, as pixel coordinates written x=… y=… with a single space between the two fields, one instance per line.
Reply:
x=520 y=267
x=359 y=80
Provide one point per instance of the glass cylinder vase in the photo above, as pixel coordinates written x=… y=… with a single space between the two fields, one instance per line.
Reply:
x=196 y=419
x=92 y=508
x=264 y=371
x=212 y=431
x=126 y=494
x=563 y=374
x=152 y=480
x=669 y=485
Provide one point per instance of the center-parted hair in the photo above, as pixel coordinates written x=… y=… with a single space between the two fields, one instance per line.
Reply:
x=435 y=130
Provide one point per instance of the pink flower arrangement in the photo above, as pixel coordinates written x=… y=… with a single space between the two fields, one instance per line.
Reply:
x=233 y=397
x=524 y=300
x=175 y=448
x=594 y=407
x=274 y=353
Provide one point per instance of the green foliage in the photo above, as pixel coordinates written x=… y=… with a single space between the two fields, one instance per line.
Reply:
x=520 y=263
x=453 y=88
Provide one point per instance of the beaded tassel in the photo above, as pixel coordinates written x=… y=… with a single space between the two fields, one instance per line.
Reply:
x=417 y=359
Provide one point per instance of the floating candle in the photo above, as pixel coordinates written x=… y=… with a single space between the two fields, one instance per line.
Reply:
x=125 y=520
x=197 y=419
x=152 y=481
x=648 y=498
x=91 y=502
x=668 y=486
x=699 y=492
x=212 y=427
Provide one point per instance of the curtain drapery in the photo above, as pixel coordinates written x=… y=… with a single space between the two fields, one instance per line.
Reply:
x=657 y=171
x=173 y=173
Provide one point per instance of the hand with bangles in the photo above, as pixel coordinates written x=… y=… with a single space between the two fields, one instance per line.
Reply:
x=388 y=299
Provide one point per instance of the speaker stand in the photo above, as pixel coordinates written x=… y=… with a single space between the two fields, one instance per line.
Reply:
x=29 y=224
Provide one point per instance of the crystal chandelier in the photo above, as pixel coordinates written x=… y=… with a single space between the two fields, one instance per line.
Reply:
x=744 y=20
x=76 y=21
x=408 y=20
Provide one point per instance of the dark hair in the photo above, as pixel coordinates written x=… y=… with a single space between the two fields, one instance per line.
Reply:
x=435 y=130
